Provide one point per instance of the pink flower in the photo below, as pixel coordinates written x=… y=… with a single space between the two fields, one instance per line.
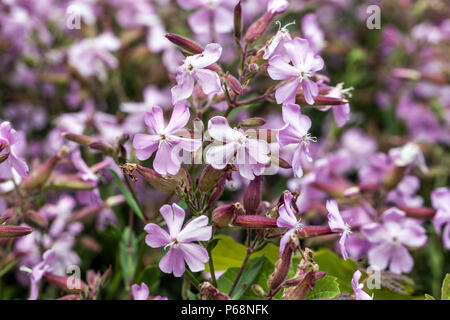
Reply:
x=337 y=224
x=179 y=241
x=236 y=146
x=390 y=239
x=295 y=134
x=217 y=14
x=9 y=160
x=194 y=69
x=287 y=219
x=166 y=139
x=358 y=287
x=276 y=45
x=440 y=198
x=305 y=62
x=142 y=292
x=37 y=272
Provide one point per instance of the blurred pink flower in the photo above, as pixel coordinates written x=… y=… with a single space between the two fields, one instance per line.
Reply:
x=337 y=224
x=8 y=152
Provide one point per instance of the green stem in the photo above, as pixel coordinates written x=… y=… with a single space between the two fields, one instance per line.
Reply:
x=211 y=269
x=192 y=278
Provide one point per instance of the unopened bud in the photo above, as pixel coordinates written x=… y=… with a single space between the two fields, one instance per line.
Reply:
x=313 y=231
x=280 y=162
x=156 y=180
x=61 y=283
x=102 y=147
x=258 y=27
x=252 y=196
x=238 y=21
x=258 y=290
x=223 y=215
x=34 y=219
x=184 y=43
x=209 y=178
x=252 y=122
x=394 y=177
x=209 y=291
x=7 y=215
x=282 y=267
x=254 y=222
x=68 y=181
x=78 y=138
x=40 y=176
x=217 y=191
x=14 y=231
x=234 y=84
x=87 y=214
x=320 y=101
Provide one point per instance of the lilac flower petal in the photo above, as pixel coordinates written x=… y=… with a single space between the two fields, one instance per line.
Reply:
x=401 y=260
x=208 y=80
x=210 y=55
x=155 y=119
x=288 y=92
x=285 y=240
x=157 y=237
x=174 y=217
x=219 y=156
x=223 y=20
x=140 y=292
x=166 y=160
x=196 y=230
x=279 y=69
x=195 y=256
x=380 y=255
x=183 y=89
x=199 y=21
x=180 y=117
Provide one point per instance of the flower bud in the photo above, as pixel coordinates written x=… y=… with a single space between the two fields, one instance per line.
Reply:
x=321 y=101
x=14 y=231
x=254 y=222
x=282 y=267
x=62 y=283
x=102 y=147
x=40 y=176
x=276 y=160
x=184 y=180
x=234 y=84
x=217 y=191
x=238 y=21
x=252 y=196
x=223 y=215
x=155 y=179
x=207 y=290
x=419 y=212
x=86 y=214
x=5 y=216
x=184 y=43
x=209 y=178
x=68 y=181
x=313 y=231
x=258 y=27
x=258 y=290
x=300 y=291
x=78 y=138
x=394 y=177
x=252 y=122
x=34 y=219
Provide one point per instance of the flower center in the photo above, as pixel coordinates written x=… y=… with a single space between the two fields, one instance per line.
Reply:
x=173 y=244
x=298 y=225
x=190 y=68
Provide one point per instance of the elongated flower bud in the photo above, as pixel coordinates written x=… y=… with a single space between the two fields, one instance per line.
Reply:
x=78 y=138
x=34 y=219
x=320 y=101
x=282 y=267
x=14 y=231
x=223 y=215
x=276 y=160
x=217 y=191
x=234 y=84
x=209 y=178
x=419 y=212
x=238 y=21
x=254 y=222
x=209 y=291
x=258 y=27
x=313 y=231
x=62 y=283
x=156 y=180
x=394 y=177
x=40 y=176
x=300 y=291
x=252 y=196
x=68 y=181
x=184 y=43
x=7 y=215
x=252 y=122
x=86 y=214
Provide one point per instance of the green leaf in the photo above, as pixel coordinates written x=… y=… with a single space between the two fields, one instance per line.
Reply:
x=327 y=287
x=445 y=291
x=428 y=297
x=337 y=267
x=229 y=254
x=150 y=276
x=247 y=278
x=128 y=252
x=127 y=194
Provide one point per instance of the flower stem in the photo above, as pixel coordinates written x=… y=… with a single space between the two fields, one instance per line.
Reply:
x=192 y=278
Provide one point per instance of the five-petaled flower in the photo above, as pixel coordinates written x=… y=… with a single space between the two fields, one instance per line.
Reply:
x=390 y=239
x=295 y=136
x=287 y=219
x=235 y=146
x=38 y=271
x=194 y=69
x=167 y=139
x=440 y=198
x=179 y=241
x=360 y=294
x=337 y=224
x=9 y=160
x=141 y=292
x=305 y=63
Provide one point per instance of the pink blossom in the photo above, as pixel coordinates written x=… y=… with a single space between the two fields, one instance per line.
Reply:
x=179 y=241
x=305 y=63
x=214 y=15
x=37 y=272
x=440 y=198
x=287 y=219
x=358 y=287
x=141 y=292
x=194 y=69
x=337 y=224
x=9 y=143
x=276 y=45
x=235 y=146
x=165 y=139
x=295 y=134
x=390 y=239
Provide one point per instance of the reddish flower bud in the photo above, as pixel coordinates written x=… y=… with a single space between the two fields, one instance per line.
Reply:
x=86 y=214
x=34 y=219
x=207 y=290
x=280 y=162
x=184 y=43
x=313 y=231
x=217 y=191
x=258 y=27
x=282 y=267
x=62 y=283
x=393 y=177
x=155 y=179
x=223 y=215
x=209 y=178
x=252 y=196
x=254 y=222
x=419 y=212
x=39 y=177
x=234 y=84
x=320 y=101
x=14 y=231
x=78 y=138
x=68 y=181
